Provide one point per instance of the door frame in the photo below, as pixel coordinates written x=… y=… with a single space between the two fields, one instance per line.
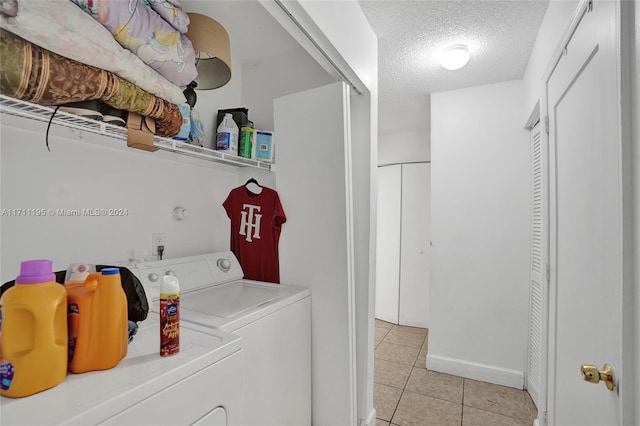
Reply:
x=623 y=28
x=388 y=302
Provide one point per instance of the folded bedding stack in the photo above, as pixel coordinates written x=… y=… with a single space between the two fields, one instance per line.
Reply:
x=55 y=52
x=33 y=74
x=138 y=27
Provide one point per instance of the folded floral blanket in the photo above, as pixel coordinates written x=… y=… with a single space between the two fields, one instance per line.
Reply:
x=171 y=12
x=139 y=28
x=31 y=73
x=61 y=27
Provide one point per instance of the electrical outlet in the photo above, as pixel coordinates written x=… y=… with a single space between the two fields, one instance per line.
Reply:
x=157 y=239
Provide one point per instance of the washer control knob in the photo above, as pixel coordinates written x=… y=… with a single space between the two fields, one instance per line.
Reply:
x=170 y=272
x=153 y=277
x=224 y=264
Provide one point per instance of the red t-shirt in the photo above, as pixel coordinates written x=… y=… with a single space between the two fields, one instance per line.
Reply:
x=256 y=220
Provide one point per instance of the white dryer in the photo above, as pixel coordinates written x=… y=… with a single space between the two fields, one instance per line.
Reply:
x=199 y=385
x=274 y=321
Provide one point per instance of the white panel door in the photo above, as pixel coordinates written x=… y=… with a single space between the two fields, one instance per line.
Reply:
x=585 y=219
x=313 y=176
x=415 y=245
x=388 y=243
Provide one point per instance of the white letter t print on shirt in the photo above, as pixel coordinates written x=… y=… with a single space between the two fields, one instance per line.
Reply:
x=250 y=222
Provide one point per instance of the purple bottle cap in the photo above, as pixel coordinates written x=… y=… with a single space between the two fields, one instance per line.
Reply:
x=36 y=271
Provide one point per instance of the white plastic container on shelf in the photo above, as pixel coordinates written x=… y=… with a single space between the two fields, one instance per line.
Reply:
x=227 y=136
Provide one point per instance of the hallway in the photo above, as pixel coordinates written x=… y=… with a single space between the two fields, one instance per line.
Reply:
x=406 y=393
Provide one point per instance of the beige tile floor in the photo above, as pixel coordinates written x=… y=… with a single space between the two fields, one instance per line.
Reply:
x=407 y=394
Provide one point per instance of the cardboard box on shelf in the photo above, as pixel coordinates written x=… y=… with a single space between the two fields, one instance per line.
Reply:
x=140 y=132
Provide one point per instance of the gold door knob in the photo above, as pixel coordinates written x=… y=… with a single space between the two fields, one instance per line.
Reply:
x=591 y=374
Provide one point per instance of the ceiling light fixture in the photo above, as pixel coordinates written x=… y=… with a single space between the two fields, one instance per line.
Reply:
x=455 y=57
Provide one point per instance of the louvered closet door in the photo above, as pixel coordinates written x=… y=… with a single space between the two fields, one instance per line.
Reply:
x=538 y=267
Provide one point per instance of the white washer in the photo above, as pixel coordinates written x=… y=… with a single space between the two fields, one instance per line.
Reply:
x=145 y=388
x=274 y=321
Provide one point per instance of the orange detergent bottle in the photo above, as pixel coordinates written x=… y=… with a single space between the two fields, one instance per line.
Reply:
x=33 y=332
x=98 y=326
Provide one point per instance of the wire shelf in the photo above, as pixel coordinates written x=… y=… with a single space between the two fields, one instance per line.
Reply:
x=42 y=113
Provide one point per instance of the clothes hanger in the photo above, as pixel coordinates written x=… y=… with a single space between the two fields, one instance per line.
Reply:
x=257 y=190
x=252 y=180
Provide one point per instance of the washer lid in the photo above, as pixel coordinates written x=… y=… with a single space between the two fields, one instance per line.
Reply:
x=232 y=299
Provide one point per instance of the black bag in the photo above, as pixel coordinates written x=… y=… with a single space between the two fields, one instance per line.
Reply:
x=137 y=304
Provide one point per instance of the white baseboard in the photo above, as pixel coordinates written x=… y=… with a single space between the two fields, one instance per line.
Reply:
x=371 y=419
x=476 y=371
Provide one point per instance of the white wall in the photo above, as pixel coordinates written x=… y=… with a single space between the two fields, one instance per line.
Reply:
x=480 y=234
x=291 y=72
x=410 y=112
x=411 y=145
x=79 y=174
x=345 y=27
x=405 y=147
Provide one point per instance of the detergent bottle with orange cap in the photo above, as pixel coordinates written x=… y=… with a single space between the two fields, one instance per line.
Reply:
x=33 y=332
x=98 y=323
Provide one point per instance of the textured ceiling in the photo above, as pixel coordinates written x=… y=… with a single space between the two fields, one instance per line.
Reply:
x=411 y=35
